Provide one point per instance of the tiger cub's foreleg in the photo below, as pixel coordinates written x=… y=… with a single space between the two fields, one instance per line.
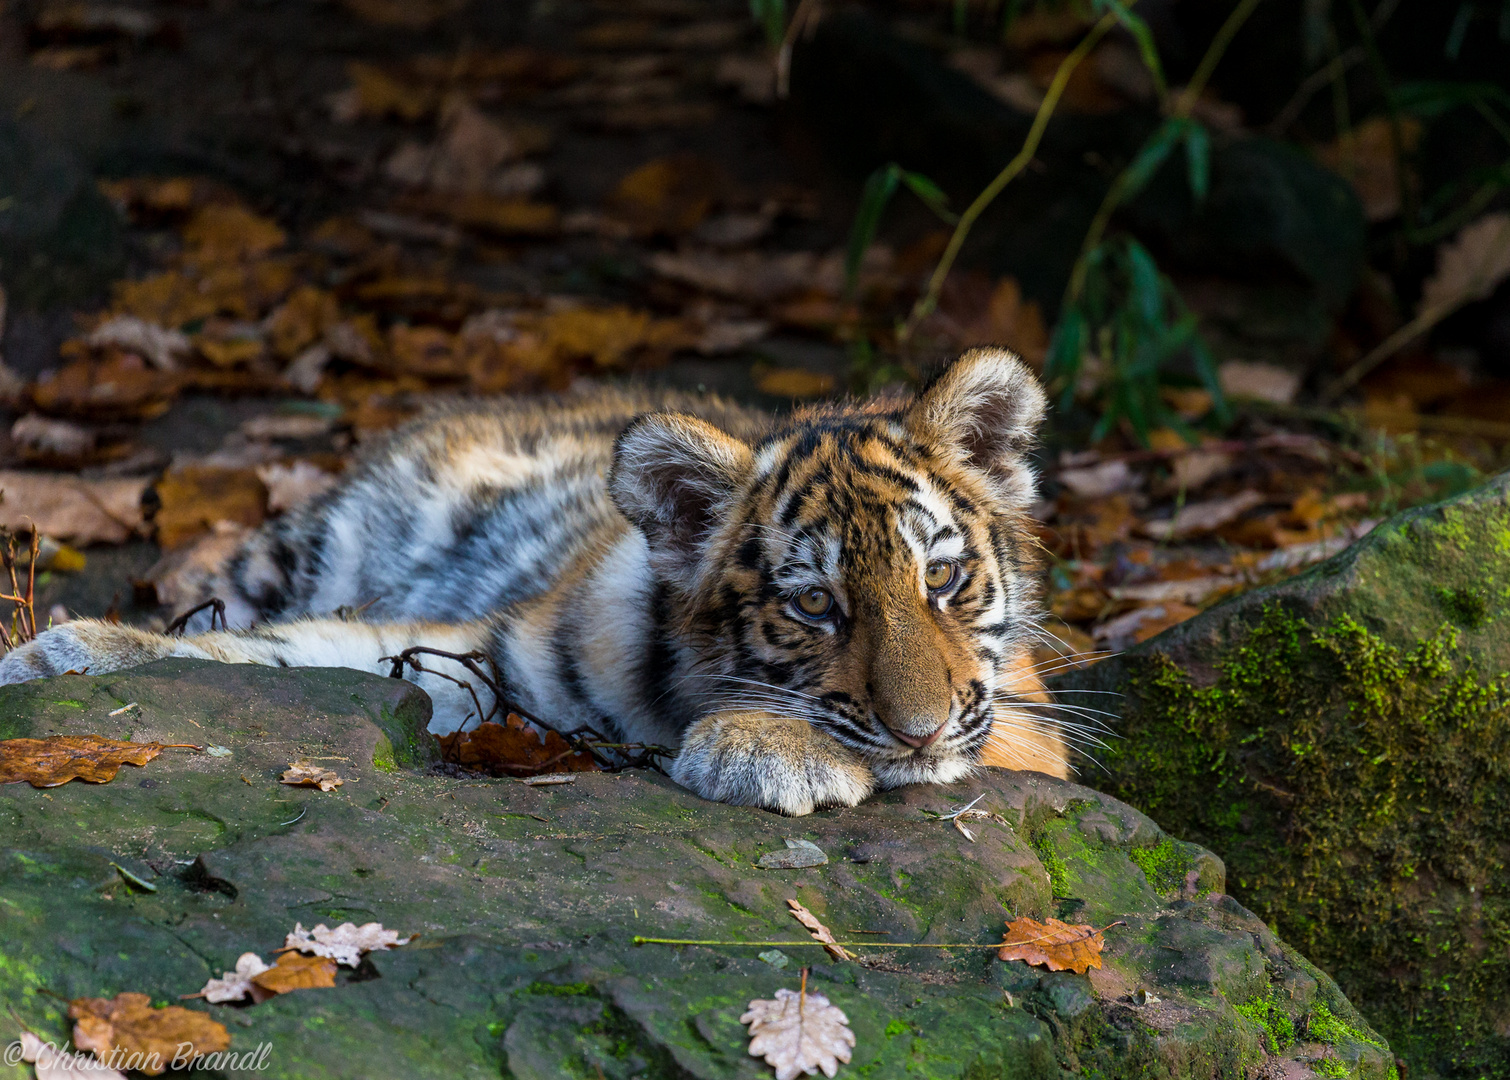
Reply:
x=96 y=648
x=756 y=758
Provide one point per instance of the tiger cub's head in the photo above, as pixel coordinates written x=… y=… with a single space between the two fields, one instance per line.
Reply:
x=866 y=566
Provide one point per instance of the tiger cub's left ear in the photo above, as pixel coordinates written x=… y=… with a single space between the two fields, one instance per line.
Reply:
x=988 y=406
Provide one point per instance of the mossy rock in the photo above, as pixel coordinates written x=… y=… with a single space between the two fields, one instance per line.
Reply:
x=1342 y=741
x=526 y=901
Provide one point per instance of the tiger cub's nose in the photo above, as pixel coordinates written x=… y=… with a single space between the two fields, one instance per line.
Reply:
x=915 y=741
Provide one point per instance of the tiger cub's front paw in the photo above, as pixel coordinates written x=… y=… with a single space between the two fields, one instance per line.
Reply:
x=780 y=763
x=85 y=646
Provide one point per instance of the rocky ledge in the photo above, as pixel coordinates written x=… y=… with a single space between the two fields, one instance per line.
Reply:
x=526 y=901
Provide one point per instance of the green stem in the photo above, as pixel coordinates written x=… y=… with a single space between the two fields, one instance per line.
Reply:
x=929 y=300
x=1183 y=104
x=792 y=944
x=1204 y=70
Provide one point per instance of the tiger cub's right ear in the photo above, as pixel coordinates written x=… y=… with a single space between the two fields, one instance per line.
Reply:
x=675 y=476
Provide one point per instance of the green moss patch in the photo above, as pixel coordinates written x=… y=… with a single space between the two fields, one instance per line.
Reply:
x=1357 y=793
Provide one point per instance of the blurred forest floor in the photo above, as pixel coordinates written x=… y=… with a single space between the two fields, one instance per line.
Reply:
x=238 y=241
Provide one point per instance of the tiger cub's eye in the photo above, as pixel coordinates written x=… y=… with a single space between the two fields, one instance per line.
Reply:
x=814 y=602
x=938 y=575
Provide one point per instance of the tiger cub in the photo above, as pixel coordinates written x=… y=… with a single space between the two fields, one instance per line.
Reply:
x=810 y=607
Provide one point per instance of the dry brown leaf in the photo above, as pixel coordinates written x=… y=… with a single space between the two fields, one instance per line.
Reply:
x=1196 y=519
x=794 y=383
x=471 y=150
x=1055 y=945
x=976 y=311
x=799 y=1033
x=668 y=195
x=513 y=748
x=1258 y=382
x=149 y=1038
x=71 y=508
x=820 y=932
x=194 y=498
x=1470 y=266
x=758 y=276
x=235 y=985
x=49 y=762
x=1366 y=158
x=426 y=351
x=115 y=387
x=303 y=774
x=53 y=1063
x=414 y=14
x=228 y=231
x=1084 y=526
x=295 y=971
x=379 y=94
x=345 y=944
x=504 y=215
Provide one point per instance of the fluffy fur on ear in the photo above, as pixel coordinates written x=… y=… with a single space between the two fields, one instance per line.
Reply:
x=673 y=475
x=989 y=405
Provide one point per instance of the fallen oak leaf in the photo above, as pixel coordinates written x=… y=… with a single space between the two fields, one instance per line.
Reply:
x=1058 y=946
x=45 y=763
x=144 y=1038
x=237 y=984
x=295 y=971
x=303 y=774
x=799 y=1033
x=346 y=943
x=821 y=933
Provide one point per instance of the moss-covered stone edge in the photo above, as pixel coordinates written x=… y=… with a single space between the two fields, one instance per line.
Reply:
x=1356 y=791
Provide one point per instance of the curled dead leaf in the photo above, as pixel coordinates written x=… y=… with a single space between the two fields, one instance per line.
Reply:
x=513 y=748
x=237 y=984
x=1056 y=945
x=303 y=774
x=820 y=932
x=127 y=1030
x=49 y=762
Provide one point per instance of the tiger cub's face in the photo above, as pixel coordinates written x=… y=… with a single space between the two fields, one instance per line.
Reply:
x=866 y=568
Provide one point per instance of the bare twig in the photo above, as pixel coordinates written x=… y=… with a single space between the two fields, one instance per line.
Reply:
x=217 y=610
x=23 y=621
x=584 y=739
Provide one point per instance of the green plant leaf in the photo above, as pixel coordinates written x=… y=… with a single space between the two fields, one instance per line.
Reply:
x=932 y=196
x=880 y=186
x=1145 y=294
x=1198 y=159
x=1143 y=36
x=1153 y=154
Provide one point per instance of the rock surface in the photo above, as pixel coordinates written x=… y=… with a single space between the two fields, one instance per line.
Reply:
x=526 y=900
x=1342 y=740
